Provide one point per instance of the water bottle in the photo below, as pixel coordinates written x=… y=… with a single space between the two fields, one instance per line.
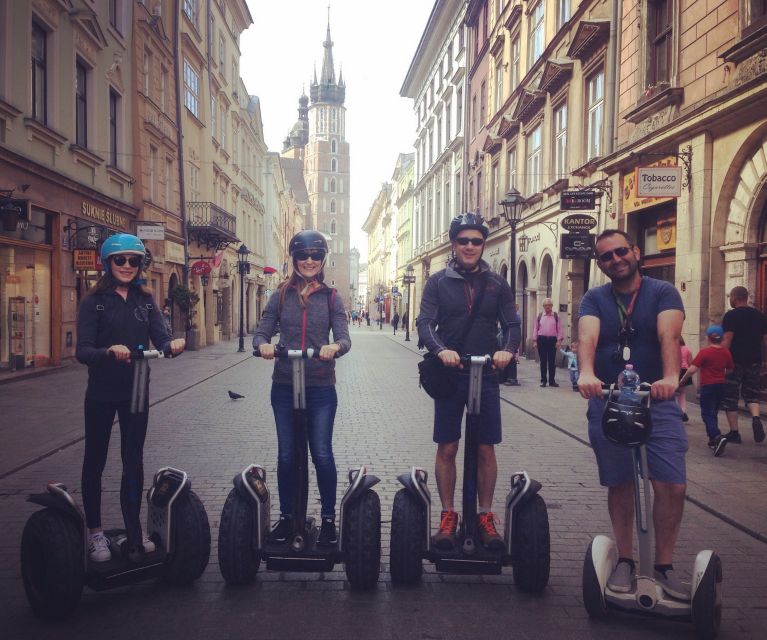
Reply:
x=628 y=384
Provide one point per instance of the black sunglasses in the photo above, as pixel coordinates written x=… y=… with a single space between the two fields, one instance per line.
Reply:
x=133 y=261
x=477 y=242
x=621 y=252
x=317 y=256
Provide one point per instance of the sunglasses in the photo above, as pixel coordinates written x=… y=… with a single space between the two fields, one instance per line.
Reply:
x=317 y=256
x=620 y=252
x=133 y=261
x=477 y=242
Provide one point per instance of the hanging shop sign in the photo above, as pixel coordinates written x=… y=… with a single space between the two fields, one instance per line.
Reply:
x=630 y=201
x=658 y=182
x=150 y=231
x=86 y=260
x=201 y=268
x=578 y=222
x=577 y=246
x=578 y=200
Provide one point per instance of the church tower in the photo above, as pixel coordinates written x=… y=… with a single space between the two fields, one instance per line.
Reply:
x=326 y=169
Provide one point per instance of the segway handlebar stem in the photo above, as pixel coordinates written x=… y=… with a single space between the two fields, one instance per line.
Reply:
x=282 y=352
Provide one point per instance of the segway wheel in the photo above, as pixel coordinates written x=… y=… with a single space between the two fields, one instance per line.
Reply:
x=707 y=601
x=362 y=541
x=52 y=563
x=237 y=557
x=191 y=541
x=593 y=596
x=408 y=530
x=531 y=545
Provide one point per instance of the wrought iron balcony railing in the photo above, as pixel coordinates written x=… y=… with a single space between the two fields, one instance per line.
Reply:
x=209 y=224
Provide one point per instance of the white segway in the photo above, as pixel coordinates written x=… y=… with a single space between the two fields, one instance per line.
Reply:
x=631 y=426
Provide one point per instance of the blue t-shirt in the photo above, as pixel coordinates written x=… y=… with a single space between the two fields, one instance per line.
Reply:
x=654 y=296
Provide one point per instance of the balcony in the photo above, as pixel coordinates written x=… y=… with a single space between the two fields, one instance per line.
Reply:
x=209 y=224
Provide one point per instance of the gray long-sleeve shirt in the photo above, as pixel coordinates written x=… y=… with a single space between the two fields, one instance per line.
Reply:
x=305 y=328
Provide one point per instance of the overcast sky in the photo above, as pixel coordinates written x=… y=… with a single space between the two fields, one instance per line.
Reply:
x=374 y=43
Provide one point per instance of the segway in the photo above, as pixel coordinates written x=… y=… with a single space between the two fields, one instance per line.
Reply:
x=704 y=609
x=54 y=545
x=243 y=536
x=526 y=525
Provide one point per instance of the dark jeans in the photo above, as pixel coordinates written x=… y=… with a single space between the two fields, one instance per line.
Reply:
x=99 y=417
x=321 y=404
x=711 y=396
x=547 y=351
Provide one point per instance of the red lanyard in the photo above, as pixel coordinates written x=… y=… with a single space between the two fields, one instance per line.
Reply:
x=625 y=313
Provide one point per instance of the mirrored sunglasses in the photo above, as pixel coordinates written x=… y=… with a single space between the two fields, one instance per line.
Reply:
x=477 y=242
x=317 y=256
x=133 y=261
x=620 y=252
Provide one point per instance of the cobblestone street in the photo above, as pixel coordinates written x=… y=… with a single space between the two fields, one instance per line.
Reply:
x=384 y=421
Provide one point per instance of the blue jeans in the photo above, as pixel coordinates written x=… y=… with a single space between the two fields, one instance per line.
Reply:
x=321 y=404
x=711 y=396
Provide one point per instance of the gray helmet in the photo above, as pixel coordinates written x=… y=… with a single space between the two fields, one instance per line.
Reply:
x=308 y=239
x=626 y=425
x=465 y=221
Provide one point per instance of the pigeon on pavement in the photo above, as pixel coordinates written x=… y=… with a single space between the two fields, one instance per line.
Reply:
x=234 y=396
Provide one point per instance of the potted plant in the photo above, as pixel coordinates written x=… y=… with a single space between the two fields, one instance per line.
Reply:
x=187 y=300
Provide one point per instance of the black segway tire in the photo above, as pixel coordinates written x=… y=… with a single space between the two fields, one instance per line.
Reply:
x=707 y=601
x=237 y=557
x=593 y=596
x=191 y=542
x=362 y=541
x=408 y=522
x=530 y=545
x=52 y=563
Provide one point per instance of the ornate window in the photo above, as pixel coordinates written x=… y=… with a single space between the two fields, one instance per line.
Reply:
x=537 y=31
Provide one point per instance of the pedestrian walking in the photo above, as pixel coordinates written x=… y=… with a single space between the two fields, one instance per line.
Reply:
x=306 y=310
x=405 y=320
x=354 y=317
x=635 y=319
x=713 y=362
x=570 y=353
x=447 y=314
x=168 y=319
x=744 y=331
x=395 y=322
x=116 y=316
x=511 y=370
x=685 y=356
x=548 y=335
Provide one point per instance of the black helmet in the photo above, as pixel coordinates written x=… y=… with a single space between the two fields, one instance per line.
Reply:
x=465 y=221
x=624 y=424
x=308 y=239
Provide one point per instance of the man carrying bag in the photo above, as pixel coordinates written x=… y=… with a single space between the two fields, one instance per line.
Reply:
x=460 y=307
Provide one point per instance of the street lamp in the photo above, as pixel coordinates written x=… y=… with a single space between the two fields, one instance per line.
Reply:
x=243 y=267
x=512 y=212
x=380 y=306
x=408 y=280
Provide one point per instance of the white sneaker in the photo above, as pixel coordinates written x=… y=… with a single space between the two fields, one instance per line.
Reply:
x=149 y=546
x=98 y=547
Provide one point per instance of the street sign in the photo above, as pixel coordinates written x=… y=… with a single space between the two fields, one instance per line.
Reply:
x=150 y=231
x=578 y=200
x=577 y=246
x=85 y=259
x=201 y=268
x=659 y=182
x=579 y=222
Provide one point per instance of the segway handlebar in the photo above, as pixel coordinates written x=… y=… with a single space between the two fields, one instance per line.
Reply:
x=150 y=354
x=468 y=359
x=642 y=392
x=282 y=352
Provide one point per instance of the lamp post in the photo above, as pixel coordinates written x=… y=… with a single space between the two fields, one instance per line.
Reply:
x=512 y=212
x=380 y=306
x=408 y=280
x=243 y=267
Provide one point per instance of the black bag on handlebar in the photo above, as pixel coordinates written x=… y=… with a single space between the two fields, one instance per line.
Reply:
x=436 y=379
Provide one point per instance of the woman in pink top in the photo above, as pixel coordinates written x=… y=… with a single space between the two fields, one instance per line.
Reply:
x=681 y=396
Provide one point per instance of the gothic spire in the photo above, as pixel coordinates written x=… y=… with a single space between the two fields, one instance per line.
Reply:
x=328 y=73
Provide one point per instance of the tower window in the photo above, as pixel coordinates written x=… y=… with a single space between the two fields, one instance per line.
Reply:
x=334 y=165
x=333 y=146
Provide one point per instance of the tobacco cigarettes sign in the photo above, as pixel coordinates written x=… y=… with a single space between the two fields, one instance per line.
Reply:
x=658 y=182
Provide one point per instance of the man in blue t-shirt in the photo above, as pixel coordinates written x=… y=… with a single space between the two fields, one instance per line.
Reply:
x=639 y=320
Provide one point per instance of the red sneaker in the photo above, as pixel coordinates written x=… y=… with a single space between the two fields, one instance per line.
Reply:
x=445 y=537
x=488 y=533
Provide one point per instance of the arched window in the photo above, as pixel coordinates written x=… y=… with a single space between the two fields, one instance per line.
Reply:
x=334 y=165
x=332 y=206
x=332 y=222
x=332 y=185
x=333 y=146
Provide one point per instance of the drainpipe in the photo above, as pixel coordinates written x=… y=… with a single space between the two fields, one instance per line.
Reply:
x=180 y=138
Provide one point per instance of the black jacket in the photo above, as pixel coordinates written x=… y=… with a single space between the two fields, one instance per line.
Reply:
x=105 y=319
x=445 y=310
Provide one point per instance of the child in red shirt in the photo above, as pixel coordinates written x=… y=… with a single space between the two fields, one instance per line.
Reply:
x=713 y=362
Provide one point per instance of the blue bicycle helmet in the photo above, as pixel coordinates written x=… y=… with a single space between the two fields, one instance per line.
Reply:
x=465 y=221
x=121 y=243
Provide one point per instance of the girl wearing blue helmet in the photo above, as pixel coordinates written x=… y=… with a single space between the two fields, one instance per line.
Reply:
x=118 y=314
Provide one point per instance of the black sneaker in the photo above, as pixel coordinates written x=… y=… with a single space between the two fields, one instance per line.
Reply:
x=717 y=445
x=553 y=384
x=734 y=437
x=328 y=535
x=756 y=423
x=283 y=529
